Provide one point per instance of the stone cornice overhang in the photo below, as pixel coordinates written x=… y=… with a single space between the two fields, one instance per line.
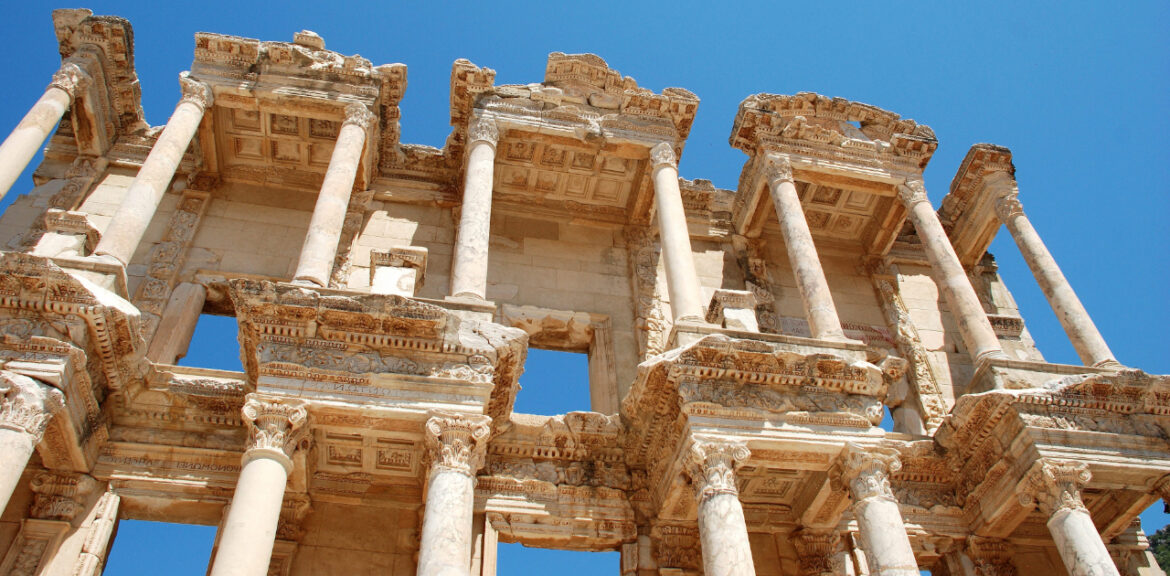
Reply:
x=111 y=39
x=376 y=352
x=1113 y=420
x=968 y=210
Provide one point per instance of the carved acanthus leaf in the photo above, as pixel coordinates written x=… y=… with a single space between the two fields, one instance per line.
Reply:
x=457 y=442
x=195 y=91
x=711 y=464
x=27 y=405
x=274 y=424
x=867 y=472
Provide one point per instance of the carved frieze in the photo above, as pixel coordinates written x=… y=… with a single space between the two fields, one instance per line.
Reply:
x=167 y=258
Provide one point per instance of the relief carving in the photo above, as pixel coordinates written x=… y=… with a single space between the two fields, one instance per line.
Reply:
x=457 y=442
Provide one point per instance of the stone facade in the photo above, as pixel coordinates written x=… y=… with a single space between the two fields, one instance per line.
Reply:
x=743 y=344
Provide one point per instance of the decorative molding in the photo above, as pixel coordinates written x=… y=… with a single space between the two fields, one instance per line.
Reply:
x=27 y=405
x=358 y=115
x=1008 y=206
x=866 y=471
x=196 y=92
x=711 y=464
x=457 y=442
x=275 y=426
x=483 y=129
x=1056 y=485
x=662 y=155
x=817 y=551
x=60 y=495
x=777 y=169
x=71 y=78
x=166 y=259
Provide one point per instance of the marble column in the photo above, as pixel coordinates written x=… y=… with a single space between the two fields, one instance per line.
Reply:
x=456 y=445
x=469 y=269
x=1056 y=487
x=26 y=407
x=1087 y=341
x=974 y=327
x=802 y=253
x=275 y=427
x=26 y=139
x=682 y=283
x=125 y=231
x=866 y=471
x=818 y=552
x=320 y=248
x=723 y=531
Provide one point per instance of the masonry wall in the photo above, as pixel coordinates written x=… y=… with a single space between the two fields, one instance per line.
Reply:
x=343 y=539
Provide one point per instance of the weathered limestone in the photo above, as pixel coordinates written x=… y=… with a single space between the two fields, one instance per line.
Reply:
x=26 y=407
x=866 y=471
x=974 y=327
x=456 y=445
x=137 y=209
x=25 y=140
x=178 y=323
x=686 y=300
x=400 y=270
x=802 y=253
x=275 y=428
x=320 y=247
x=733 y=309
x=1056 y=487
x=722 y=527
x=1085 y=337
x=818 y=551
x=470 y=265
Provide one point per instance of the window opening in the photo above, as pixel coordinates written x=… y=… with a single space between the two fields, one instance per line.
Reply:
x=554 y=382
x=143 y=548
x=215 y=344
x=514 y=559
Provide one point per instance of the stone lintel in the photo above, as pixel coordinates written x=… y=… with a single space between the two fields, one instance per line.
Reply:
x=968 y=210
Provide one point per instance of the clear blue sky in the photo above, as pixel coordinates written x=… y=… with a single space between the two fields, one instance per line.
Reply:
x=1079 y=91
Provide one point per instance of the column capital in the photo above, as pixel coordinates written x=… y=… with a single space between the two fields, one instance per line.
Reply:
x=60 y=495
x=457 y=442
x=27 y=405
x=711 y=463
x=816 y=550
x=195 y=91
x=71 y=78
x=991 y=556
x=662 y=154
x=1056 y=485
x=1008 y=206
x=912 y=192
x=358 y=115
x=483 y=129
x=275 y=426
x=866 y=471
x=778 y=169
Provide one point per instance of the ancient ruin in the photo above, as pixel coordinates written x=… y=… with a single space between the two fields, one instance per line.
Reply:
x=743 y=344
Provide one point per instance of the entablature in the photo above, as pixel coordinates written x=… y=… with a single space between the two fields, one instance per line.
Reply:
x=968 y=212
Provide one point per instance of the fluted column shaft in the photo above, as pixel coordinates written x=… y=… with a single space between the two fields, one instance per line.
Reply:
x=249 y=533
x=22 y=144
x=137 y=209
x=866 y=471
x=1057 y=487
x=723 y=531
x=682 y=283
x=974 y=327
x=26 y=407
x=1085 y=337
x=320 y=248
x=456 y=445
x=819 y=309
x=470 y=266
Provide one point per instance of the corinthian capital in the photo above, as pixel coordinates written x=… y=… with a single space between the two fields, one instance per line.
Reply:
x=662 y=154
x=816 y=550
x=777 y=169
x=991 y=556
x=27 y=405
x=483 y=129
x=867 y=471
x=912 y=192
x=195 y=91
x=1056 y=485
x=1008 y=206
x=711 y=464
x=60 y=495
x=457 y=442
x=358 y=115
x=70 y=77
x=275 y=426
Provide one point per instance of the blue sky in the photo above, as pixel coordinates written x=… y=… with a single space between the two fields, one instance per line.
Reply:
x=1079 y=91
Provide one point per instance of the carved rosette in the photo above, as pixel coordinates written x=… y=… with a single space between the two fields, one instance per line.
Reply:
x=60 y=495
x=1056 y=485
x=662 y=155
x=483 y=129
x=275 y=426
x=71 y=78
x=27 y=405
x=711 y=464
x=866 y=471
x=195 y=92
x=991 y=556
x=817 y=550
x=457 y=442
x=912 y=192
x=778 y=169
x=358 y=115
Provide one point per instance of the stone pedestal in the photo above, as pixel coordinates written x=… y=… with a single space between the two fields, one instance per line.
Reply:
x=469 y=269
x=1056 y=487
x=722 y=528
x=26 y=139
x=974 y=327
x=1085 y=337
x=130 y=222
x=682 y=283
x=320 y=248
x=26 y=406
x=400 y=270
x=249 y=533
x=734 y=310
x=456 y=445
x=802 y=253
x=866 y=471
